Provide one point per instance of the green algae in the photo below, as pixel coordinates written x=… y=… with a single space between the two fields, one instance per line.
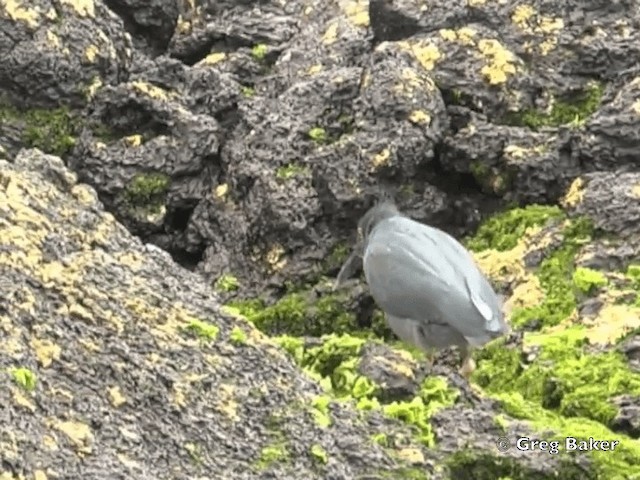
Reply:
x=492 y=180
x=564 y=384
x=567 y=389
x=564 y=377
x=147 y=189
x=560 y=384
x=203 y=330
x=503 y=230
x=556 y=279
x=482 y=465
x=297 y=315
x=237 y=336
x=318 y=135
x=588 y=280
x=227 y=283
x=335 y=365
x=633 y=275
x=291 y=170
x=275 y=453
x=623 y=463
x=51 y=130
x=248 y=92
x=259 y=51
x=319 y=454
x=320 y=410
x=24 y=377
x=571 y=110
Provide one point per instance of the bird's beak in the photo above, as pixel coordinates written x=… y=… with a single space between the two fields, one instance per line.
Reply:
x=349 y=268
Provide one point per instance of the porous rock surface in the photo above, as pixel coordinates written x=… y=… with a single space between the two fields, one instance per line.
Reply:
x=123 y=386
x=246 y=139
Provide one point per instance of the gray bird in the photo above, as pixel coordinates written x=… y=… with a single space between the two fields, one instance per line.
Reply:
x=432 y=292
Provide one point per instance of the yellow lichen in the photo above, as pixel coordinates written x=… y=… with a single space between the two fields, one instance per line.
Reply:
x=381 y=159
x=420 y=116
x=331 y=34
x=274 y=257
x=46 y=351
x=39 y=475
x=91 y=52
x=84 y=8
x=18 y=12
x=213 y=58
x=20 y=399
x=611 y=324
x=515 y=152
x=221 y=190
x=116 y=397
x=226 y=403
x=464 y=35
x=78 y=433
x=150 y=90
x=357 y=11
x=133 y=140
x=411 y=455
x=529 y=20
x=500 y=61
x=574 y=194
x=426 y=53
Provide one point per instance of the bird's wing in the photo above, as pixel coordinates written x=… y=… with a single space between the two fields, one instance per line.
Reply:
x=415 y=271
x=404 y=281
x=480 y=292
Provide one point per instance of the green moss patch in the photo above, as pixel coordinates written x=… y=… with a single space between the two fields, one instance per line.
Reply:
x=24 y=377
x=51 y=130
x=203 y=330
x=335 y=365
x=227 y=283
x=573 y=109
x=556 y=275
x=588 y=280
x=503 y=230
x=295 y=314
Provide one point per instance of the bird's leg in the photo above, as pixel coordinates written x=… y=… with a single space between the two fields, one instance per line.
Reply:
x=468 y=363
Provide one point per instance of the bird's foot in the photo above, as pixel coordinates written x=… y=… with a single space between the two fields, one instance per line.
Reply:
x=468 y=367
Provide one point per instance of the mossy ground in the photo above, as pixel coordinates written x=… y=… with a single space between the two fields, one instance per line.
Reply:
x=572 y=109
x=50 y=130
x=146 y=193
x=556 y=381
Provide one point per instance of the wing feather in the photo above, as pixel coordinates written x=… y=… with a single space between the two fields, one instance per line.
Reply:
x=416 y=271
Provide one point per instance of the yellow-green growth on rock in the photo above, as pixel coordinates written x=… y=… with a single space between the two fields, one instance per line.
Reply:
x=587 y=280
x=274 y=453
x=227 y=283
x=147 y=188
x=237 y=336
x=259 y=51
x=318 y=135
x=319 y=454
x=288 y=171
x=203 y=330
x=503 y=230
x=296 y=315
x=24 y=377
x=50 y=130
x=573 y=110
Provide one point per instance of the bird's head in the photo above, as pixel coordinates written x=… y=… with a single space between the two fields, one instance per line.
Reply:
x=366 y=224
x=373 y=217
